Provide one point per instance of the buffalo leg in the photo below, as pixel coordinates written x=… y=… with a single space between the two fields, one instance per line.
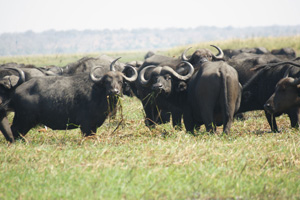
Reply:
x=176 y=119
x=208 y=118
x=228 y=117
x=272 y=122
x=21 y=125
x=87 y=131
x=5 y=129
x=164 y=116
x=227 y=125
x=294 y=117
x=188 y=121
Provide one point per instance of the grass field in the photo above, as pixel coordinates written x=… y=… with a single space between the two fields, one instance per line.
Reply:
x=126 y=160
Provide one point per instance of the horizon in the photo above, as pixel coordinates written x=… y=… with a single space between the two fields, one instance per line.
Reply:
x=147 y=28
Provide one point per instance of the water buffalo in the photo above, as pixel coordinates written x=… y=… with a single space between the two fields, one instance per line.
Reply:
x=202 y=55
x=11 y=76
x=65 y=102
x=29 y=70
x=245 y=62
x=168 y=88
x=154 y=114
x=283 y=53
x=262 y=85
x=214 y=95
x=85 y=64
x=286 y=95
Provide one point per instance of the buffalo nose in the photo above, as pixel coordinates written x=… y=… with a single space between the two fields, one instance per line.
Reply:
x=115 y=91
x=157 y=86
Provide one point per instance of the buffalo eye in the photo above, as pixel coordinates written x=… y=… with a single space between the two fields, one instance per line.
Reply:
x=167 y=77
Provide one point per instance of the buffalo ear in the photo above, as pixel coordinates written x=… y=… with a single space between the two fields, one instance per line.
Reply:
x=9 y=82
x=182 y=86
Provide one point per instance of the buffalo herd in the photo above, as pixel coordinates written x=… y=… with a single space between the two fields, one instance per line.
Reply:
x=197 y=89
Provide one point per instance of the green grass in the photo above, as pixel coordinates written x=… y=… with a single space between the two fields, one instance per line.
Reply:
x=131 y=161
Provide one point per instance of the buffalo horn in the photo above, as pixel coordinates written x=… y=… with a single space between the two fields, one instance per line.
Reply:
x=220 y=55
x=183 y=56
x=21 y=74
x=133 y=77
x=112 y=67
x=178 y=76
x=92 y=76
x=141 y=76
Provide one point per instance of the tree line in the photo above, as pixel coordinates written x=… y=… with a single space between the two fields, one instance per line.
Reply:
x=74 y=41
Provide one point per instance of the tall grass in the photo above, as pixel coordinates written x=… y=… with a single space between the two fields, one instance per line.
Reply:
x=131 y=161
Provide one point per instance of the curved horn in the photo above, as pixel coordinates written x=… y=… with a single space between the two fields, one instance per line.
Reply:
x=133 y=77
x=220 y=55
x=183 y=56
x=21 y=74
x=112 y=68
x=141 y=76
x=178 y=76
x=92 y=76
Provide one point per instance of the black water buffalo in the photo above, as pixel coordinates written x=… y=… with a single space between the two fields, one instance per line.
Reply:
x=286 y=95
x=11 y=76
x=154 y=114
x=244 y=63
x=160 y=114
x=229 y=53
x=202 y=55
x=69 y=102
x=168 y=88
x=262 y=85
x=29 y=70
x=283 y=53
x=85 y=64
x=214 y=95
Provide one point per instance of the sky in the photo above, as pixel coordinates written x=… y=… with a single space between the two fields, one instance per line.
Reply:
x=43 y=15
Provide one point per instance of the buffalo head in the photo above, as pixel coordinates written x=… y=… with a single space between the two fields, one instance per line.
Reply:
x=286 y=95
x=161 y=78
x=113 y=80
x=9 y=80
x=203 y=55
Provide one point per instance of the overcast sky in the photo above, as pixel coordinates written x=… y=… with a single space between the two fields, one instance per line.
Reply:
x=40 y=15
